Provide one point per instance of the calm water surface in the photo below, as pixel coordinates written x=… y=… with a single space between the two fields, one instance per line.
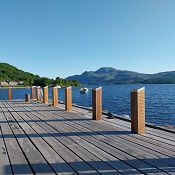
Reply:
x=160 y=100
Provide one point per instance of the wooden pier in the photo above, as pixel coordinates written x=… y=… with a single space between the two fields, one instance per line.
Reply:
x=37 y=138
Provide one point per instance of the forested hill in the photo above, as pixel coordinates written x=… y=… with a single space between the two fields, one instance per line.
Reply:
x=11 y=73
x=109 y=75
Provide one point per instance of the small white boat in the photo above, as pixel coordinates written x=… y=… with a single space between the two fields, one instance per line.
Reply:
x=84 y=90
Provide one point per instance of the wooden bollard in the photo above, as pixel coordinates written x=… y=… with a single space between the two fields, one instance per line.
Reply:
x=138 y=111
x=55 y=96
x=38 y=93
x=9 y=93
x=27 y=97
x=97 y=103
x=45 y=95
x=33 y=92
x=68 y=99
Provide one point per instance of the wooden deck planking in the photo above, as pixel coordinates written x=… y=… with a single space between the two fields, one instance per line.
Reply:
x=49 y=154
x=80 y=165
x=4 y=159
x=130 y=135
x=113 y=145
x=165 y=159
x=76 y=154
x=35 y=159
x=83 y=153
x=68 y=155
x=125 y=168
x=150 y=135
x=154 y=132
x=16 y=156
x=70 y=143
x=159 y=165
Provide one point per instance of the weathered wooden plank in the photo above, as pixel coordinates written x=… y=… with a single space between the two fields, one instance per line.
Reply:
x=84 y=154
x=18 y=161
x=37 y=162
x=158 y=143
x=158 y=164
x=5 y=167
x=141 y=164
x=151 y=135
x=70 y=157
x=149 y=130
x=126 y=169
x=72 y=124
x=133 y=144
x=130 y=150
x=143 y=138
x=126 y=124
x=117 y=163
x=56 y=162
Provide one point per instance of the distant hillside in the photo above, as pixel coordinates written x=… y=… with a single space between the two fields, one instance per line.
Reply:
x=109 y=75
x=11 y=73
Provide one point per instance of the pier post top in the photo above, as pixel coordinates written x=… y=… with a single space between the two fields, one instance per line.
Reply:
x=95 y=89
x=138 y=90
x=69 y=87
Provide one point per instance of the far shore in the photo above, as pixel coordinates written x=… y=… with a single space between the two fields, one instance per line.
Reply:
x=6 y=87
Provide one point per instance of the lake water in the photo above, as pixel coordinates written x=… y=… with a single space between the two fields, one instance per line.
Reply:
x=160 y=100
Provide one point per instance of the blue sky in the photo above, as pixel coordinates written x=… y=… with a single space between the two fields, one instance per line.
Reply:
x=66 y=37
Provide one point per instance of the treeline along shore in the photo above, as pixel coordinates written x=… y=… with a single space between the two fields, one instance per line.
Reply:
x=12 y=76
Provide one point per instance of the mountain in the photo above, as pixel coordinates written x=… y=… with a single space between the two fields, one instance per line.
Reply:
x=10 y=73
x=109 y=75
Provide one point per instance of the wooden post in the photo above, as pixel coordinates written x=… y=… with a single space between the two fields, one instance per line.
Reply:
x=9 y=93
x=27 y=97
x=33 y=92
x=38 y=93
x=45 y=95
x=68 y=99
x=97 y=103
x=138 y=111
x=55 y=96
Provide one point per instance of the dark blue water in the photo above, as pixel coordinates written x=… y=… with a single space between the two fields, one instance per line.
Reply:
x=160 y=100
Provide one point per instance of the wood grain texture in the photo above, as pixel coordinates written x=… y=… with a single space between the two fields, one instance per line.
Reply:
x=97 y=104
x=38 y=93
x=138 y=111
x=9 y=93
x=42 y=139
x=33 y=92
x=68 y=99
x=55 y=96
x=45 y=94
x=27 y=97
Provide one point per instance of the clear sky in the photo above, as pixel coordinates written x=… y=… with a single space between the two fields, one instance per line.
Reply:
x=66 y=37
